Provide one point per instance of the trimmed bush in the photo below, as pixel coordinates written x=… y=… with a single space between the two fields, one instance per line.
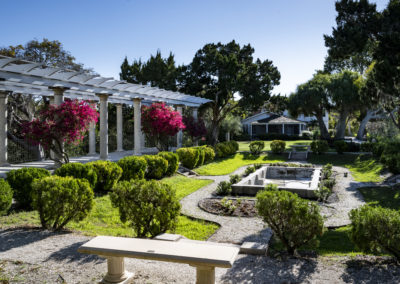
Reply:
x=209 y=154
x=249 y=170
x=234 y=179
x=278 y=146
x=367 y=146
x=157 y=166
x=133 y=167
x=149 y=207
x=257 y=166
x=108 y=174
x=340 y=146
x=256 y=147
x=376 y=229
x=60 y=200
x=271 y=187
x=224 y=188
x=391 y=157
x=21 y=183
x=173 y=162
x=327 y=171
x=294 y=220
x=6 y=195
x=202 y=155
x=234 y=145
x=319 y=146
x=225 y=149
x=78 y=170
x=188 y=157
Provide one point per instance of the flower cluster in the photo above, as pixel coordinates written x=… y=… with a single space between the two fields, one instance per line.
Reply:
x=67 y=123
x=194 y=128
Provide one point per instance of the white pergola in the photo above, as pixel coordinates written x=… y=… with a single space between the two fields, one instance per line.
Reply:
x=30 y=78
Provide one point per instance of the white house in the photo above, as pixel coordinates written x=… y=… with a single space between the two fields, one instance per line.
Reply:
x=267 y=122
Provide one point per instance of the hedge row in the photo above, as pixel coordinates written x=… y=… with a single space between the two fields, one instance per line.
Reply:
x=192 y=157
x=225 y=149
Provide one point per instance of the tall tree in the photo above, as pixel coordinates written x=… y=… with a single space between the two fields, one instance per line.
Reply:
x=312 y=99
x=277 y=104
x=228 y=75
x=156 y=72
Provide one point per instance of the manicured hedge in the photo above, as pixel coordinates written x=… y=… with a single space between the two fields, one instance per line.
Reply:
x=6 y=195
x=133 y=167
x=209 y=154
x=278 y=146
x=225 y=149
x=173 y=162
x=108 y=174
x=202 y=154
x=188 y=157
x=319 y=146
x=78 y=170
x=340 y=146
x=157 y=166
x=256 y=147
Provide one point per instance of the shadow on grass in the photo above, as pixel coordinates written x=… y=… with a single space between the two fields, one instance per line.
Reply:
x=384 y=196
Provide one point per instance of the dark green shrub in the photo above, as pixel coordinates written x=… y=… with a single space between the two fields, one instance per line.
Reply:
x=188 y=157
x=6 y=195
x=133 y=167
x=323 y=193
x=149 y=207
x=20 y=182
x=391 y=157
x=60 y=200
x=234 y=145
x=271 y=187
x=249 y=170
x=173 y=162
x=234 y=179
x=225 y=149
x=340 y=146
x=319 y=146
x=257 y=166
x=376 y=229
x=326 y=171
x=78 y=170
x=377 y=149
x=209 y=154
x=108 y=174
x=202 y=154
x=157 y=166
x=294 y=220
x=367 y=147
x=224 y=188
x=278 y=146
x=256 y=147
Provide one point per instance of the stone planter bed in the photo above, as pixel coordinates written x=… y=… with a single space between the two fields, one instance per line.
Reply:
x=214 y=206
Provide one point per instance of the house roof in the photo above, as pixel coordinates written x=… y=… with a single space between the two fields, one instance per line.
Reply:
x=277 y=119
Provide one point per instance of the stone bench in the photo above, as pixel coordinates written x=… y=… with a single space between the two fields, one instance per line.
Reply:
x=200 y=255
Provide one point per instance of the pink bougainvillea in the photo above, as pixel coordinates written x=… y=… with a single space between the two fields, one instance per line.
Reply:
x=55 y=125
x=159 y=123
x=195 y=129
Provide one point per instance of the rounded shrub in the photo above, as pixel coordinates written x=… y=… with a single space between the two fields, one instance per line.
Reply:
x=188 y=157
x=234 y=179
x=340 y=146
x=173 y=162
x=224 y=188
x=278 y=146
x=234 y=145
x=21 y=183
x=149 y=207
x=202 y=155
x=294 y=220
x=108 y=173
x=6 y=195
x=78 y=170
x=60 y=200
x=319 y=146
x=376 y=229
x=256 y=147
x=133 y=167
x=157 y=166
x=209 y=154
x=249 y=170
x=222 y=150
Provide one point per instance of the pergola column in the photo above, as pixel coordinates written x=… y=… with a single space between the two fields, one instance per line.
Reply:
x=3 y=128
x=283 y=128
x=103 y=126
x=119 y=128
x=137 y=124
x=179 y=136
x=92 y=139
x=196 y=118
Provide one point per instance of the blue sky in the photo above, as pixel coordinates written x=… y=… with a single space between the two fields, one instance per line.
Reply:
x=100 y=33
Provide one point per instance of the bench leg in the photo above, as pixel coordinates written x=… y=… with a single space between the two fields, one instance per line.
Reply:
x=116 y=272
x=205 y=275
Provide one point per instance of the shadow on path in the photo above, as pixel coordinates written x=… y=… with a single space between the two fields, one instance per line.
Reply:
x=70 y=254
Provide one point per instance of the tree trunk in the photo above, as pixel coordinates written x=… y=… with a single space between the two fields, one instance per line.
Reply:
x=36 y=150
x=322 y=127
x=341 y=126
x=370 y=113
x=214 y=133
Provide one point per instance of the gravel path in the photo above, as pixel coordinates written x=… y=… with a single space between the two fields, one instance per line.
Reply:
x=233 y=229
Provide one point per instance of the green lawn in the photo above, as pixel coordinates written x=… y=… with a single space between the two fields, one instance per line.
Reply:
x=363 y=168
x=228 y=165
x=244 y=145
x=104 y=219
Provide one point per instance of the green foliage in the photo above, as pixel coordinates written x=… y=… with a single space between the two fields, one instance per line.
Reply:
x=376 y=229
x=173 y=162
x=78 y=170
x=149 y=207
x=278 y=146
x=378 y=149
x=271 y=187
x=234 y=145
x=323 y=193
x=340 y=146
x=209 y=154
x=326 y=171
x=202 y=154
x=256 y=147
x=188 y=157
x=257 y=166
x=249 y=170
x=367 y=146
x=234 y=179
x=60 y=200
x=224 y=188
x=228 y=205
x=295 y=221
x=391 y=156
x=6 y=195
x=133 y=167
x=108 y=174
x=21 y=180
x=157 y=166
x=227 y=148
x=319 y=147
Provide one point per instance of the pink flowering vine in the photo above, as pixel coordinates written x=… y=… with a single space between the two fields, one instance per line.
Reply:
x=159 y=123
x=195 y=129
x=55 y=125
